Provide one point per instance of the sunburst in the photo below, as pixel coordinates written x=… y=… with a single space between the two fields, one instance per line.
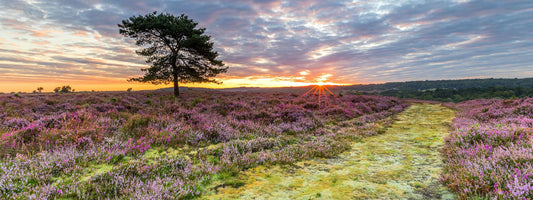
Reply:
x=319 y=90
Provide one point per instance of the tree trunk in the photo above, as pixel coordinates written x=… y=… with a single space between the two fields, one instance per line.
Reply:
x=176 y=87
x=175 y=73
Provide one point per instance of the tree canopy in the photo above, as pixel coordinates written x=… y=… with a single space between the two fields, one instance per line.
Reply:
x=177 y=50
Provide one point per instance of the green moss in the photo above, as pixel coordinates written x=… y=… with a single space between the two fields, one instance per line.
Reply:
x=96 y=169
x=152 y=153
x=417 y=184
x=234 y=183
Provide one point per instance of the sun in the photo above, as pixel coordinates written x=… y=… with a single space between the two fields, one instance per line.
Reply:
x=320 y=90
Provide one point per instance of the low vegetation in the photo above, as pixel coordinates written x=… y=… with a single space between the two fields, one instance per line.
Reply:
x=152 y=145
x=489 y=155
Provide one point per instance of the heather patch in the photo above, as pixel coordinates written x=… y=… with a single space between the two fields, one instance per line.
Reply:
x=150 y=145
x=490 y=153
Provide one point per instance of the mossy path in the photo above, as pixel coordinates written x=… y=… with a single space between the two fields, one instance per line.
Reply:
x=402 y=163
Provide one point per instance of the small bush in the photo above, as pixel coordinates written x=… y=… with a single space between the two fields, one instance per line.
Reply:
x=195 y=102
x=136 y=126
x=148 y=101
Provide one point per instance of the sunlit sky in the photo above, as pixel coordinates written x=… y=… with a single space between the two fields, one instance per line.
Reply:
x=271 y=43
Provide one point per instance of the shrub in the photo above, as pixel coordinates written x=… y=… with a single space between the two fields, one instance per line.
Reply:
x=195 y=102
x=148 y=102
x=137 y=126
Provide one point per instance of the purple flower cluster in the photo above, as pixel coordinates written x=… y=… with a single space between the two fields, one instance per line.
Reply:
x=490 y=153
x=94 y=145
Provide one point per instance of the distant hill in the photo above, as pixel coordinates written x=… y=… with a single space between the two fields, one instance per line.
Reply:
x=445 y=84
x=452 y=90
x=463 y=94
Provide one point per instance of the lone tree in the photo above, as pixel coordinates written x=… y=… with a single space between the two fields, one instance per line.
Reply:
x=177 y=51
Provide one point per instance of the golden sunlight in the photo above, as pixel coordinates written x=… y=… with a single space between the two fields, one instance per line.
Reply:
x=305 y=72
x=319 y=91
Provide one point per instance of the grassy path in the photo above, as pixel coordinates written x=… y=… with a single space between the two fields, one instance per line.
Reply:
x=403 y=163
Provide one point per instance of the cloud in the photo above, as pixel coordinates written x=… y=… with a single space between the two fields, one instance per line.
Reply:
x=365 y=41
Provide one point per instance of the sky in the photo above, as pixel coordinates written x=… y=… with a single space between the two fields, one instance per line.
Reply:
x=271 y=43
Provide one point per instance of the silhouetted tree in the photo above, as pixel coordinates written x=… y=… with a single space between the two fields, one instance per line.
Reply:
x=63 y=89
x=40 y=89
x=177 y=51
x=66 y=89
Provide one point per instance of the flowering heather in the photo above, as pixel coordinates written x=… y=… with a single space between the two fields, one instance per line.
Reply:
x=150 y=145
x=490 y=153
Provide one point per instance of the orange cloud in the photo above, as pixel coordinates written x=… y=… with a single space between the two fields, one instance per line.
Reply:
x=41 y=33
x=44 y=42
x=80 y=33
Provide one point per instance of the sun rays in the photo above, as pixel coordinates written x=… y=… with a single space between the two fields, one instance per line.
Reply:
x=320 y=90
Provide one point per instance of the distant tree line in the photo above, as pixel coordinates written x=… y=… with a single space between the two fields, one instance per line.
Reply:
x=445 y=84
x=463 y=94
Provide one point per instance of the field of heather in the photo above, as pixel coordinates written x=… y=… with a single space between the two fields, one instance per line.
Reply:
x=490 y=153
x=217 y=145
x=150 y=145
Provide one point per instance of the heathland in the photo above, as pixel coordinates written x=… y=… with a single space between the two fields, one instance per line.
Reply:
x=209 y=144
